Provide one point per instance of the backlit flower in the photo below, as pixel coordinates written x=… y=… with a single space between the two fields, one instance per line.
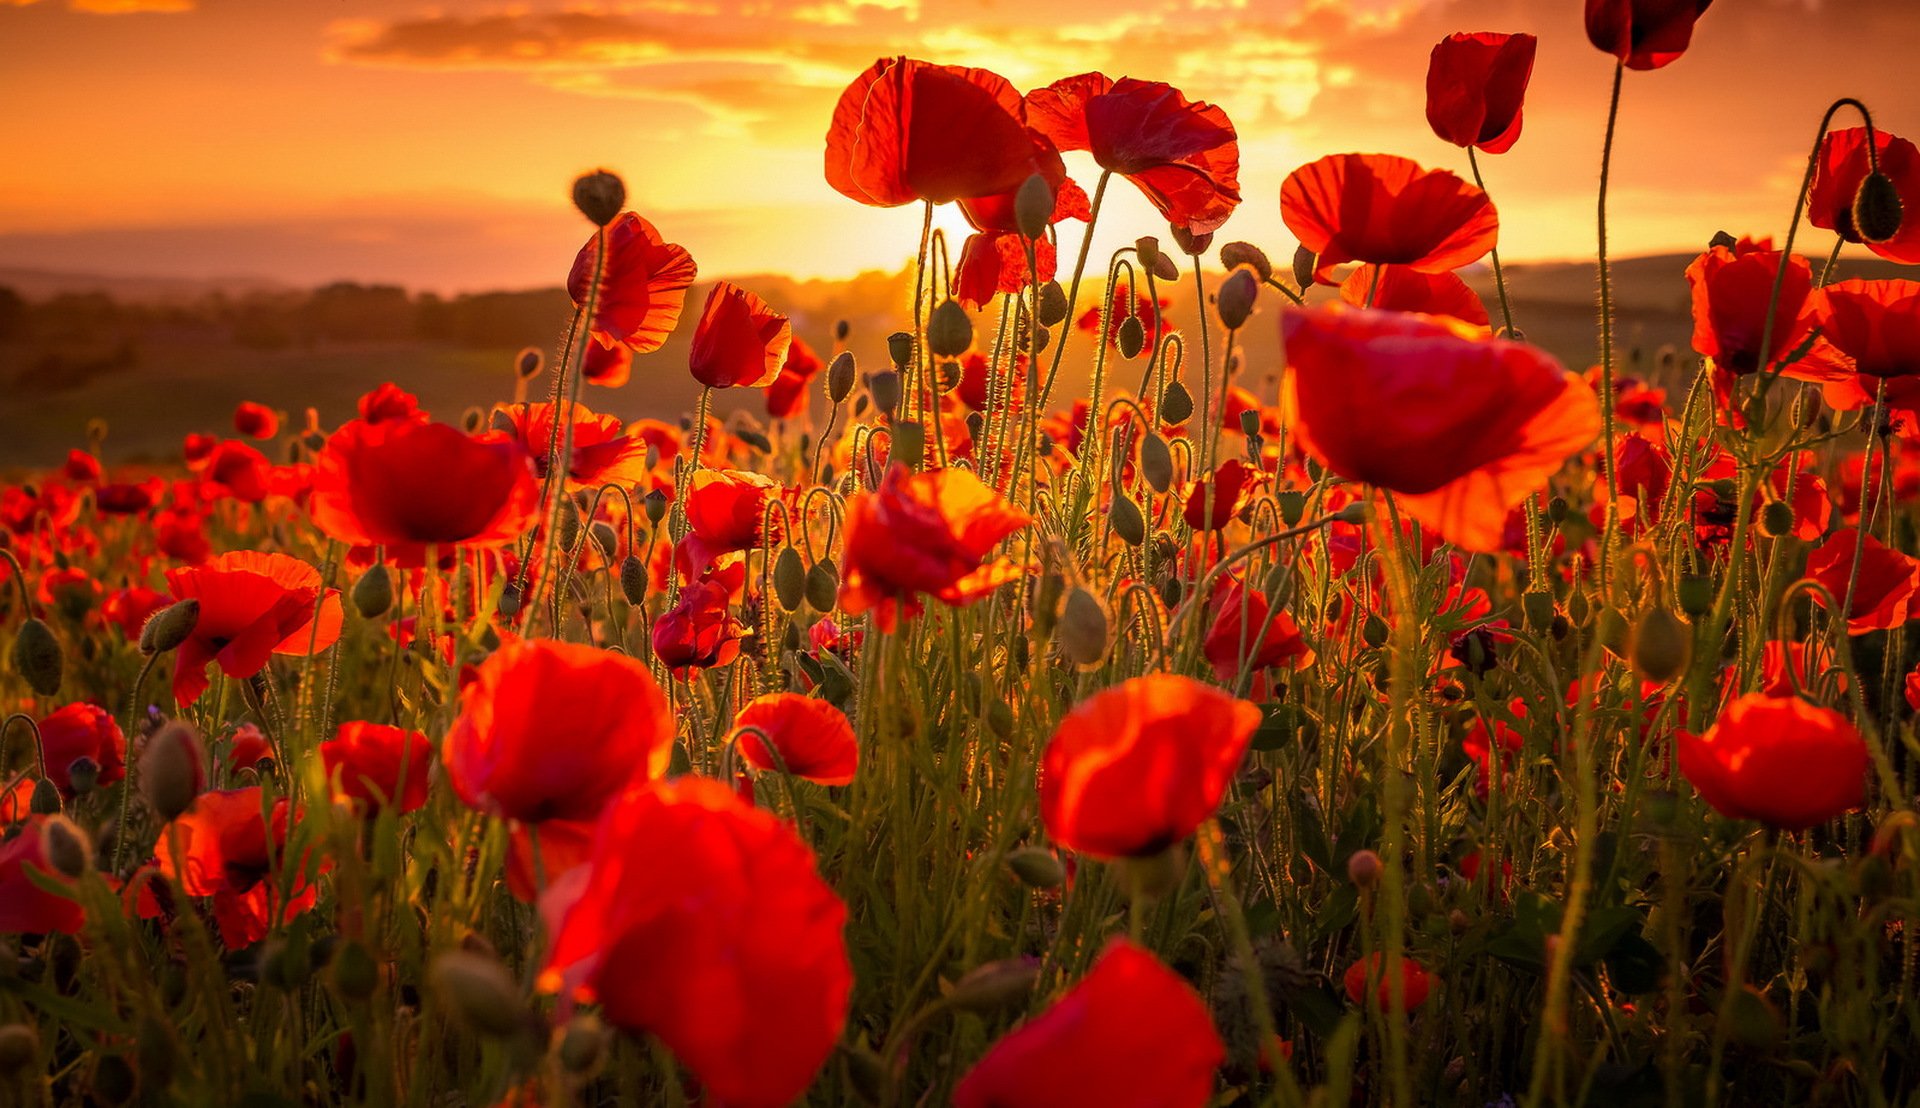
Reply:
x=408 y=485
x=252 y=606
x=77 y=731
x=603 y=454
x=372 y=764
x=643 y=285
x=924 y=533
x=1843 y=164
x=1779 y=760
x=813 y=738
x=227 y=851
x=1883 y=593
x=1644 y=34
x=739 y=341
x=1476 y=84
x=1386 y=210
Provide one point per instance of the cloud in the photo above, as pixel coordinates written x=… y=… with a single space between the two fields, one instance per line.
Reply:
x=115 y=7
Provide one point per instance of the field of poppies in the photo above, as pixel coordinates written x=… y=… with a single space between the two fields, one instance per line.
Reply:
x=1416 y=723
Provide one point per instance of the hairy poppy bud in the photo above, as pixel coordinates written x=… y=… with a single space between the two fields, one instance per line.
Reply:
x=840 y=376
x=1082 y=630
x=83 y=775
x=1037 y=867
x=605 y=537
x=1877 y=210
x=1303 y=266
x=46 y=798
x=1363 y=869
x=67 y=848
x=583 y=1044
x=1033 y=206
x=633 y=580
x=1176 y=403
x=19 y=1049
x=170 y=626
x=1236 y=297
x=37 y=657
x=1132 y=337
x=1127 y=521
x=599 y=196
x=988 y=989
x=1539 y=610
x=1661 y=645
x=1191 y=244
x=949 y=331
x=823 y=586
x=789 y=578
x=1374 y=630
x=1156 y=462
x=1053 y=304
x=885 y=388
x=1147 y=248
x=1236 y=254
x=479 y=991
x=373 y=593
x=171 y=771
x=1776 y=519
x=900 y=348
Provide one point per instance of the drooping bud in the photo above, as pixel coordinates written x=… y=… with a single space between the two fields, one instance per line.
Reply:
x=1082 y=630
x=373 y=593
x=37 y=657
x=989 y=988
x=1877 y=210
x=789 y=578
x=599 y=196
x=1037 y=867
x=1033 y=206
x=1236 y=298
x=633 y=580
x=1053 y=304
x=605 y=537
x=900 y=348
x=1176 y=404
x=1661 y=646
x=1776 y=519
x=528 y=363
x=67 y=848
x=1127 y=521
x=823 y=586
x=172 y=772
x=949 y=331
x=1156 y=462
x=1236 y=254
x=885 y=388
x=46 y=798
x=480 y=992
x=583 y=1044
x=840 y=376
x=1132 y=337
x=1303 y=266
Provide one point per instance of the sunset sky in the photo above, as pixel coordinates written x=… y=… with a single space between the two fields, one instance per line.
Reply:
x=312 y=140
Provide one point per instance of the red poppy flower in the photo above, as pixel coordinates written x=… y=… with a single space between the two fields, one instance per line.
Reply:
x=252 y=606
x=552 y=730
x=1184 y=155
x=702 y=921
x=82 y=468
x=924 y=533
x=1645 y=34
x=1415 y=983
x=247 y=747
x=1461 y=428
x=1386 y=210
x=1875 y=323
x=223 y=845
x=700 y=631
x=25 y=907
x=812 y=737
x=725 y=513
x=1476 y=84
x=1883 y=596
x=256 y=421
x=564 y=844
x=82 y=731
x=373 y=764
x=1133 y=770
x=1779 y=760
x=235 y=469
x=993 y=260
x=1130 y=1034
x=1400 y=289
x=787 y=395
x=1810 y=662
x=125 y=499
x=389 y=401
x=1731 y=291
x=1239 y=614
x=1843 y=164
x=607 y=365
x=1232 y=487
x=409 y=485
x=739 y=341
x=131 y=607
x=908 y=130
x=602 y=452
x=643 y=285
x=195 y=448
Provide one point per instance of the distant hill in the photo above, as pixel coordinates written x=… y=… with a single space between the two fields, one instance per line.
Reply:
x=45 y=284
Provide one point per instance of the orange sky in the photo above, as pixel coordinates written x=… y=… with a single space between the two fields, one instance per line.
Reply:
x=310 y=140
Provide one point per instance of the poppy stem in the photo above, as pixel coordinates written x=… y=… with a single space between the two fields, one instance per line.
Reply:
x=1606 y=337
x=1073 y=289
x=1869 y=498
x=126 y=783
x=1499 y=274
x=20 y=579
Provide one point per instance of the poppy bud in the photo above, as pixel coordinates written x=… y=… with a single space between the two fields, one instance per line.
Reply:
x=1776 y=519
x=949 y=331
x=1357 y=512
x=1191 y=244
x=37 y=658
x=988 y=989
x=599 y=196
x=885 y=388
x=529 y=362
x=1363 y=869
x=1132 y=337
x=1236 y=254
x=479 y=991
x=1156 y=462
x=605 y=537
x=909 y=444
x=789 y=578
x=1877 y=209
x=83 y=775
x=1176 y=404
x=1128 y=523
x=823 y=586
x=1171 y=590
x=1374 y=630
x=46 y=798
x=1538 y=609
x=373 y=593
x=1236 y=297
x=900 y=348
x=1033 y=206
x=1147 y=248
x=1723 y=239
x=1053 y=304
x=633 y=580
x=840 y=376
x=1661 y=645
x=19 y=1049
x=171 y=773
x=1303 y=266
x=1037 y=867
x=583 y=1044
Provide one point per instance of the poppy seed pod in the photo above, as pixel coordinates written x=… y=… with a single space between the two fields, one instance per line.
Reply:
x=1304 y=263
x=1147 y=248
x=885 y=388
x=1236 y=298
x=479 y=991
x=599 y=196
x=949 y=331
x=1236 y=254
x=529 y=362
x=1877 y=209
x=37 y=657
x=171 y=770
x=373 y=593
x=988 y=989
x=900 y=348
x=655 y=503
x=1033 y=206
x=840 y=376
x=1661 y=645
x=68 y=849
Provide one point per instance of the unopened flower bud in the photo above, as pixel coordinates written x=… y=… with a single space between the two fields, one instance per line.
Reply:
x=509 y=605
x=1877 y=210
x=37 y=657
x=1363 y=869
x=1132 y=337
x=1156 y=462
x=1037 y=867
x=1127 y=521
x=1176 y=403
x=67 y=848
x=633 y=580
x=1053 y=304
x=1033 y=206
x=823 y=586
x=997 y=985
x=949 y=331
x=171 y=769
x=19 y=1050
x=46 y=798
x=885 y=387
x=1236 y=297
x=1236 y=254
x=1304 y=262
x=599 y=196
x=1082 y=630
x=1776 y=519
x=373 y=593
x=1661 y=645
x=789 y=578
x=528 y=363
x=840 y=376
x=480 y=992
